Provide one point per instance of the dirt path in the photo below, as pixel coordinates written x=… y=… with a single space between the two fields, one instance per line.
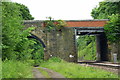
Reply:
x=37 y=73
x=52 y=75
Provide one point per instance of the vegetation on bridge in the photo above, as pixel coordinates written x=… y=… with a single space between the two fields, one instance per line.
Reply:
x=54 y=24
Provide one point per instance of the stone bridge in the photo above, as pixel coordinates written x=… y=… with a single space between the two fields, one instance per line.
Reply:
x=63 y=43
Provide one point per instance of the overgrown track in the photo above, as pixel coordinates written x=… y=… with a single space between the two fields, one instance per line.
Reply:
x=105 y=64
x=109 y=66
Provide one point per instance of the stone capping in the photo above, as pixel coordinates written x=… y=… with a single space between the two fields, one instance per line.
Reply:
x=29 y=21
x=32 y=21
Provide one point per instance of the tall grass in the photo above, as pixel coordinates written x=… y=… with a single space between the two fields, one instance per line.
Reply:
x=72 y=70
x=16 y=69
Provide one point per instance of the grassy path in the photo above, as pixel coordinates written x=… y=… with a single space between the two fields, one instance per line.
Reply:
x=40 y=72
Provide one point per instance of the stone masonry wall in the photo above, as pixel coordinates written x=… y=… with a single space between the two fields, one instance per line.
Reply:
x=62 y=44
x=58 y=43
x=115 y=49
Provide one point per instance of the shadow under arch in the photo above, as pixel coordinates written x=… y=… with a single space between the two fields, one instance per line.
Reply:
x=35 y=37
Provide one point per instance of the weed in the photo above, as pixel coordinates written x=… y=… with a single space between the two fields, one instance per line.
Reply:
x=16 y=69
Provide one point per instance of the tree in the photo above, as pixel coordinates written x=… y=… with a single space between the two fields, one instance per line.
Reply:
x=109 y=10
x=15 y=44
x=24 y=12
x=105 y=10
x=112 y=28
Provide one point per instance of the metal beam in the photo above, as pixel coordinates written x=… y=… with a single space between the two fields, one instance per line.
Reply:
x=90 y=31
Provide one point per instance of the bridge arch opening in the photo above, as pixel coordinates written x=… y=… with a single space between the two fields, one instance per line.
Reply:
x=96 y=48
x=86 y=48
x=38 y=39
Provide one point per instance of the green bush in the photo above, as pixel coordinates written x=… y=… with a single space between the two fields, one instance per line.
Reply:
x=55 y=59
x=37 y=55
x=112 y=29
x=16 y=69
x=54 y=24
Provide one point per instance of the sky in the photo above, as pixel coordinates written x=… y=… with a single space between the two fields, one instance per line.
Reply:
x=60 y=9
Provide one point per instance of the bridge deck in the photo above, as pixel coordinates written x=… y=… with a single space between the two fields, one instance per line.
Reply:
x=76 y=23
x=86 y=23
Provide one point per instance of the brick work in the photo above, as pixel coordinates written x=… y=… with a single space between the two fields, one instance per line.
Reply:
x=85 y=23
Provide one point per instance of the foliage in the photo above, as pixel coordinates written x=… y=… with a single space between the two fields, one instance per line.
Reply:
x=109 y=10
x=24 y=12
x=38 y=53
x=54 y=24
x=16 y=69
x=72 y=70
x=86 y=48
x=15 y=44
x=88 y=53
x=55 y=59
x=112 y=28
x=105 y=9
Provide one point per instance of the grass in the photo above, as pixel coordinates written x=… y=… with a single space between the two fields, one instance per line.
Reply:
x=16 y=69
x=72 y=70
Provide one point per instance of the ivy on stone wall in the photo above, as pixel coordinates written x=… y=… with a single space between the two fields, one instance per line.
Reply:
x=54 y=24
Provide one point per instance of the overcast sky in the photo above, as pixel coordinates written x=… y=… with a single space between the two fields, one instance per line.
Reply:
x=60 y=9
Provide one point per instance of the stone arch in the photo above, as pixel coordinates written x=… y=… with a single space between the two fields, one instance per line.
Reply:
x=35 y=37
